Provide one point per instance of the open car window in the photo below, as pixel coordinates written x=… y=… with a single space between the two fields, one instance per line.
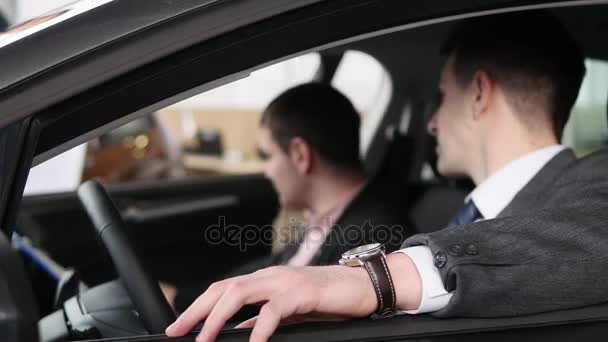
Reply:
x=210 y=134
x=362 y=78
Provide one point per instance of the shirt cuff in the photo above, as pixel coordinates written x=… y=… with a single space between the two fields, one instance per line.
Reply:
x=434 y=295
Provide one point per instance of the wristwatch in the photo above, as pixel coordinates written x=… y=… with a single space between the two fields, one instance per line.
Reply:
x=372 y=257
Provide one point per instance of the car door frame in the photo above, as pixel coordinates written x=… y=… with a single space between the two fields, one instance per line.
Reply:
x=154 y=85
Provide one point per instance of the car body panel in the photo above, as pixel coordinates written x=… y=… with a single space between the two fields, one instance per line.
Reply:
x=116 y=48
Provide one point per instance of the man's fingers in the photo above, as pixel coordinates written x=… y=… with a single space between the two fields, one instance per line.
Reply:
x=226 y=307
x=250 y=323
x=204 y=304
x=197 y=311
x=270 y=317
x=169 y=291
x=237 y=294
x=224 y=299
x=247 y=324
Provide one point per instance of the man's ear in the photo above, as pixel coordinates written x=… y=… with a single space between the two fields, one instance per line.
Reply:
x=483 y=92
x=300 y=153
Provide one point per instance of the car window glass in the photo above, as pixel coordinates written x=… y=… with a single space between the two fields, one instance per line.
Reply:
x=587 y=129
x=367 y=83
x=59 y=174
x=224 y=121
x=210 y=134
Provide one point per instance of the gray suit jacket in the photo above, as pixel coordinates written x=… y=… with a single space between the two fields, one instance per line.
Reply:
x=546 y=251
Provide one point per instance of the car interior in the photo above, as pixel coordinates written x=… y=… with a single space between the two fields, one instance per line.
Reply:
x=161 y=221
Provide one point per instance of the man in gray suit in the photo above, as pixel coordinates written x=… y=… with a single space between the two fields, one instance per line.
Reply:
x=532 y=236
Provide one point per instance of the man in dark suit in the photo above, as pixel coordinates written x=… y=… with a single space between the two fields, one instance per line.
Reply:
x=532 y=236
x=310 y=140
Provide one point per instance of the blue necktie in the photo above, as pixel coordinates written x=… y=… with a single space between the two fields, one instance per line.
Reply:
x=467 y=214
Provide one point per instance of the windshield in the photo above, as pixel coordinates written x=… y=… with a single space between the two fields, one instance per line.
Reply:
x=42 y=22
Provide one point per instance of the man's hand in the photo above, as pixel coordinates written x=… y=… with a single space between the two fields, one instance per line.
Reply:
x=169 y=291
x=293 y=294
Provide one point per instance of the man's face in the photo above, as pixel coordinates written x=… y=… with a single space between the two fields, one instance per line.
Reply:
x=281 y=170
x=451 y=126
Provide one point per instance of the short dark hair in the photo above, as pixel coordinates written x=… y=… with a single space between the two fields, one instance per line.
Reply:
x=323 y=117
x=530 y=54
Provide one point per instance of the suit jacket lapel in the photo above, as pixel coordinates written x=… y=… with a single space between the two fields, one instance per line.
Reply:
x=529 y=198
x=283 y=257
x=325 y=254
x=335 y=244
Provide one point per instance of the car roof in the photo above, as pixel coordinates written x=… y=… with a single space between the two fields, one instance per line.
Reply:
x=112 y=39
x=94 y=26
x=111 y=27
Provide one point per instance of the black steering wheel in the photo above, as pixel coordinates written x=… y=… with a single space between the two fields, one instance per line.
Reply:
x=154 y=311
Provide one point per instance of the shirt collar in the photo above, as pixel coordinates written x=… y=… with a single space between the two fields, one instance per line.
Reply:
x=498 y=190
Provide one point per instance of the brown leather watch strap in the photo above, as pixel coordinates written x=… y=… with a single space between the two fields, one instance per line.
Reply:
x=383 y=285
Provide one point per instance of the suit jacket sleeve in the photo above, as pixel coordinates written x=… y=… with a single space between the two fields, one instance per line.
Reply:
x=553 y=257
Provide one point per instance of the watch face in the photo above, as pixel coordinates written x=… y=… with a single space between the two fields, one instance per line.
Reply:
x=365 y=249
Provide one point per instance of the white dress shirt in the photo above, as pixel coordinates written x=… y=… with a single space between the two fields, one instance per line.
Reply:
x=490 y=197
